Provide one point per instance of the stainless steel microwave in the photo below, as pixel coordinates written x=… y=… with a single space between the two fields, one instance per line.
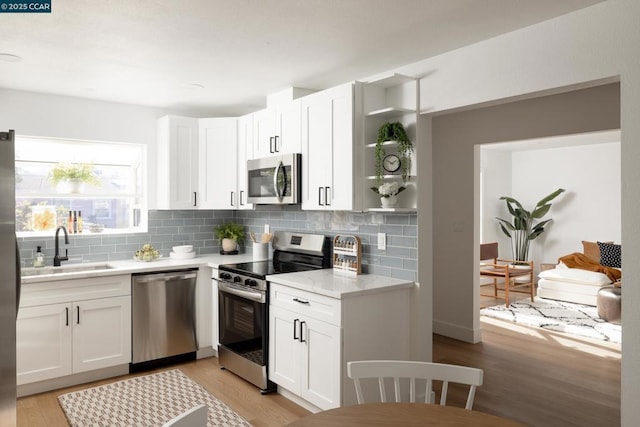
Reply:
x=274 y=180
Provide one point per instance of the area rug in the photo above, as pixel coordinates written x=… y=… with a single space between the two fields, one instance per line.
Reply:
x=149 y=400
x=559 y=316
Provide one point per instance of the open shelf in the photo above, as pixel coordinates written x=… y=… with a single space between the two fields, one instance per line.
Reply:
x=390 y=80
x=384 y=144
x=393 y=210
x=390 y=112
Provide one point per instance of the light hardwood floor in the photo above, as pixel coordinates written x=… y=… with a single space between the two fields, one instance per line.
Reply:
x=533 y=376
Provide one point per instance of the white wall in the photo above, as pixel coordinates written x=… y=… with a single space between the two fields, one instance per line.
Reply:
x=496 y=182
x=595 y=44
x=36 y=114
x=590 y=209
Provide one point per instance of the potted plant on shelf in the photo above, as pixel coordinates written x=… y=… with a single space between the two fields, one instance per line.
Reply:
x=74 y=175
x=229 y=234
x=523 y=230
x=388 y=193
x=393 y=131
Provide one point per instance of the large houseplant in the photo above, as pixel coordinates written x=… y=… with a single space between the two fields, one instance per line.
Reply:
x=230 y=234
x=523 y=229
x=393 y=131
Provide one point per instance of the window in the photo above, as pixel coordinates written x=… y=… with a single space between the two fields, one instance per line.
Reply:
x=100 y=182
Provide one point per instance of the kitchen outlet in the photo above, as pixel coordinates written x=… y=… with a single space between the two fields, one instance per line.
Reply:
x=266 y=228
x=382 y=241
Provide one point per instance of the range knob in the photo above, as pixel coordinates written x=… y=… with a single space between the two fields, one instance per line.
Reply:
x=251 y=282
x=237 y=279
x=225 y=276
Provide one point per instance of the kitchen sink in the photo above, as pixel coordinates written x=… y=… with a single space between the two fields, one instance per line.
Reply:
x=71 y=268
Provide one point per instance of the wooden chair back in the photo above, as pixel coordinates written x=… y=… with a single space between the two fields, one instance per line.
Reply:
x=488 y=251
x=397 y=369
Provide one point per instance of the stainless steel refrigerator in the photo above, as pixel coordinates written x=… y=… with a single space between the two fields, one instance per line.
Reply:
x=9 y=280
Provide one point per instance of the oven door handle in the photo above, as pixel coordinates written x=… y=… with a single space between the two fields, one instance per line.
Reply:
x=253 y=296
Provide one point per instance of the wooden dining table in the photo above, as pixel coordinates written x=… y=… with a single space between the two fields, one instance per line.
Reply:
x=401 y=414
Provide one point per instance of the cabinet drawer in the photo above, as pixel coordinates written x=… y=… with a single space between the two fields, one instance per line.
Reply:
x=62 y=291
x=306 y=303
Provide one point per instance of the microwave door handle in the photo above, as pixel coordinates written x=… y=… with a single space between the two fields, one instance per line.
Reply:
x=276 y=187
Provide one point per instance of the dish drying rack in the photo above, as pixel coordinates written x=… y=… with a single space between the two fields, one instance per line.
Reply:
x=347 y=254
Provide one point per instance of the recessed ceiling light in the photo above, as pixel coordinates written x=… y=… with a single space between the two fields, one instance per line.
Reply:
x=7 y=57
x=192 y=86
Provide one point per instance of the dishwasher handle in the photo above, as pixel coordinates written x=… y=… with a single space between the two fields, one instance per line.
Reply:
x=146 y=278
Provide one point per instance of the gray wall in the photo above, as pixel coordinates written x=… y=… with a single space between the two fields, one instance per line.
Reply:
x=169 y=228
x=454 y=138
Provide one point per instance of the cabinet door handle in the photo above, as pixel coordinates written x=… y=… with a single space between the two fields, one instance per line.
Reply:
x=67 y=316
x=327 y=196
x=295 y=324
x=232 y=194
x=320 y=202
x=241 y=197
x=275 y=144
x=78 y=314
x=302 y=323
x=195 y=198
x=271 y=149
x=301 y=301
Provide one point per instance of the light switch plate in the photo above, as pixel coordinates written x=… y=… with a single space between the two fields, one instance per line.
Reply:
x=382 y=241
x=266 y=228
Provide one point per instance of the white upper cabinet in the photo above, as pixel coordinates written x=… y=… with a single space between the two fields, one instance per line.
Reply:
x=218 y=166
x=277 y=130
x=328 y=149
x=245 y=152
x=177 y=165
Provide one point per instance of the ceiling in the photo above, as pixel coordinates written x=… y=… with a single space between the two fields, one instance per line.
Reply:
x=153 y=52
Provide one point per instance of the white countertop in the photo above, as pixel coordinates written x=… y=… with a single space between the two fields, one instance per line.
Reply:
x=336 y=284
x=130 y=266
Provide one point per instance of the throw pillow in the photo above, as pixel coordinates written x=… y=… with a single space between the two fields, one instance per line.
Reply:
x=591 y=250
x=610 y=254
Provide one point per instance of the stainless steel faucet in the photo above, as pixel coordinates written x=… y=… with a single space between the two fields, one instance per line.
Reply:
x=57 y=258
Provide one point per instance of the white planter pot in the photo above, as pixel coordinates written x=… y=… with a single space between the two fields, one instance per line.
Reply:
x=389 y=202
x=73 y=186
x=229 y=245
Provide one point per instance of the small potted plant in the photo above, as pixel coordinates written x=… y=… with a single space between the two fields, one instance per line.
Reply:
x=75 y=175
x=393 y=131
x=388 y=193
x=230 y=234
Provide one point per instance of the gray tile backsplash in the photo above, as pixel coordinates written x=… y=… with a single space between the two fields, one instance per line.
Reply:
x=170 y=228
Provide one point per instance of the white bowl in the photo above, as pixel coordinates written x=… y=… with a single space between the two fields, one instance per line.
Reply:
x=182 y=249
x=182 y=255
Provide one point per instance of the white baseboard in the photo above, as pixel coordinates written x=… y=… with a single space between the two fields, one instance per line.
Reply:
x=458 y=332
x=70 y=380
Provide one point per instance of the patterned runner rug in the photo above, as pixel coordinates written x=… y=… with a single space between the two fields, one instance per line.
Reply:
x=147 y=401
x=559 y=316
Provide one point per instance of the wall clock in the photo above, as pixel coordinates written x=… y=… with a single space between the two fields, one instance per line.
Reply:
x=391 y=163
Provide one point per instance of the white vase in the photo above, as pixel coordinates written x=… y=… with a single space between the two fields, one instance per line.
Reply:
x=229 y=245
x=389 y=202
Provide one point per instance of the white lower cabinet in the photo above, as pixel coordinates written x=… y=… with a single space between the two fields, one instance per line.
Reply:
x=55 y=338
x=312 y=337
x=306 y=357
x=101 y=333
x=43 y=343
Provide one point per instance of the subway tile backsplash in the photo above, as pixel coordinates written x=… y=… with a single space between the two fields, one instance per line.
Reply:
x=170 y=228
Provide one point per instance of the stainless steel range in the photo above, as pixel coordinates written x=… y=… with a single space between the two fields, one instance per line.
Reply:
x=243 y=293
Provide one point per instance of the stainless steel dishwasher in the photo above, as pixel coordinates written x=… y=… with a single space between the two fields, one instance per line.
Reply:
x=163 y=316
